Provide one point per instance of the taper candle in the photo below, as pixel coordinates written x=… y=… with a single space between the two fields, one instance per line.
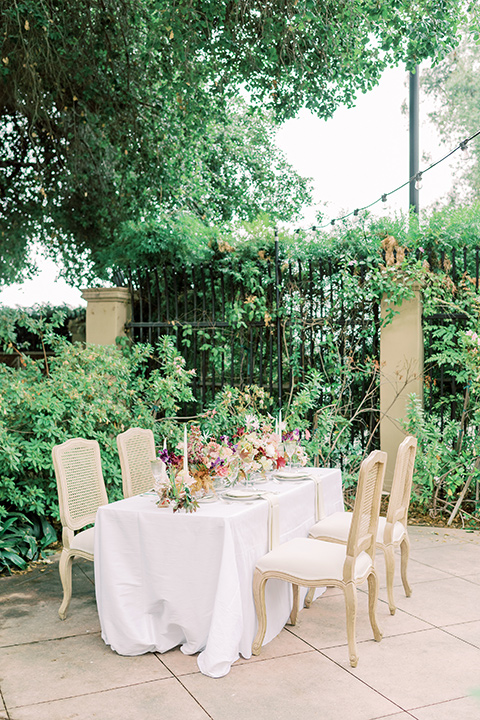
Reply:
x=185 y=450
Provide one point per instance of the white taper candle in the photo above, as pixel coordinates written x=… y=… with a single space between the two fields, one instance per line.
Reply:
x=185 y=450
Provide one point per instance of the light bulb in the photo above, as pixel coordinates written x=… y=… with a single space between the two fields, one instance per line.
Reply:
x=418 y=181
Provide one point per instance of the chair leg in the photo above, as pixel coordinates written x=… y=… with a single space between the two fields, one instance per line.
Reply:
x=372 y=604
x=309 y=597
x=65 y=569
x=295 y=608
x=405 y=554
x=389 y=554
x=350 y=592
x=259 y=597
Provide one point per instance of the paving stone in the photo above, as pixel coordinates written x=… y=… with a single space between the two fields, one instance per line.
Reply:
x=467 y=708
x=158 y=700
x=416 y=669
x=470 y=632
x=69 y=667
x=324 y=623
x=442 y=602
x=296 y=686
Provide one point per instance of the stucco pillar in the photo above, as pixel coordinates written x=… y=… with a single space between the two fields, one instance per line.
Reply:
x=401 y=372
x=108 y=309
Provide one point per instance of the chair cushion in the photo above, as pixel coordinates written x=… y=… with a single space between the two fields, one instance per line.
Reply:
x=337 y=527
x=311 y=561
x=399 y=531
x=84 y=541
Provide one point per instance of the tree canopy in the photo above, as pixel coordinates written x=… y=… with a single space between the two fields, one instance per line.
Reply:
x=115 y=112
x=453 y=85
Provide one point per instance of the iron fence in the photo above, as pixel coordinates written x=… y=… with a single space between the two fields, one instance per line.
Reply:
x=270 y=328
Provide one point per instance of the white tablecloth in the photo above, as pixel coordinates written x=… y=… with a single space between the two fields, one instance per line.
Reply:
x=164 y=579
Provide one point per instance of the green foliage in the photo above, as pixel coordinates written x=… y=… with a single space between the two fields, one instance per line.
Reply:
x=23 y=540
x=228 y=411
x=453 y=86
x=118 y=114
x=96 y=392
x=93 y=392
x=446 y=458
x=27 y=328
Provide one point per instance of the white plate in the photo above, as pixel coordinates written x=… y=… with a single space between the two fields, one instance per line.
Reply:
x=241 y=495
x=292 y=475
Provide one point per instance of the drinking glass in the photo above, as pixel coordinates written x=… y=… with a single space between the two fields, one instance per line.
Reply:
x=290 y=449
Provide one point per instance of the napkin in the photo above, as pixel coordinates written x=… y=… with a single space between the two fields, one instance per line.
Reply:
x=273 y=520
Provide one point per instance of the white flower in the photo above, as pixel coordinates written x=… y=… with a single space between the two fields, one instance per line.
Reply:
x=270 y=450
x=252 y=422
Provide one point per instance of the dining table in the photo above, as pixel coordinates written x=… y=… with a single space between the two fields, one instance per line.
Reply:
x=165 y=579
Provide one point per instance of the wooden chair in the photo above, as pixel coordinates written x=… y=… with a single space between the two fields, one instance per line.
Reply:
x=312 y=563
x=136 y=448
x=392 y=530
x=81 y=491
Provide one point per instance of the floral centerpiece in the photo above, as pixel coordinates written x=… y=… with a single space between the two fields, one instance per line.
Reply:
x=257 y=447
x=172 y=487
x=207 y=460
x=178 y=495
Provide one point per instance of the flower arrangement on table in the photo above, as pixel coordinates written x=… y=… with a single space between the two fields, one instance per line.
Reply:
x=256 y=448
x=208 y=459
x=174 y=492
x=192 y=472
x=172 y=485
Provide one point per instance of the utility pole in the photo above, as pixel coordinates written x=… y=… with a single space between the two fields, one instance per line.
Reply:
x=414 y=140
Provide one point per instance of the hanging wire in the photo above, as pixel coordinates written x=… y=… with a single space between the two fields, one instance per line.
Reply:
x=383 y=198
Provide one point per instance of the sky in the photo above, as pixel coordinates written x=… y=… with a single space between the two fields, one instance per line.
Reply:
x=353 y=158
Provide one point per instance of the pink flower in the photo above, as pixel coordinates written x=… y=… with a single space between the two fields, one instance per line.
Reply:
x=223 y=470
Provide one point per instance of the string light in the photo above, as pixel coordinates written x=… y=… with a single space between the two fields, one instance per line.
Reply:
x=415 y=178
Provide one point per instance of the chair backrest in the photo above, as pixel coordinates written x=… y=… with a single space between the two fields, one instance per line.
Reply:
x=401 y=490
x=81 y=489
x=136 y=448
x=363 y=530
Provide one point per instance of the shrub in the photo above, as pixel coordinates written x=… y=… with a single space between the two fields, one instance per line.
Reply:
x=89 y=391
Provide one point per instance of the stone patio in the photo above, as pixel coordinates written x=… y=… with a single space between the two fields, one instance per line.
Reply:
x=427 y=666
